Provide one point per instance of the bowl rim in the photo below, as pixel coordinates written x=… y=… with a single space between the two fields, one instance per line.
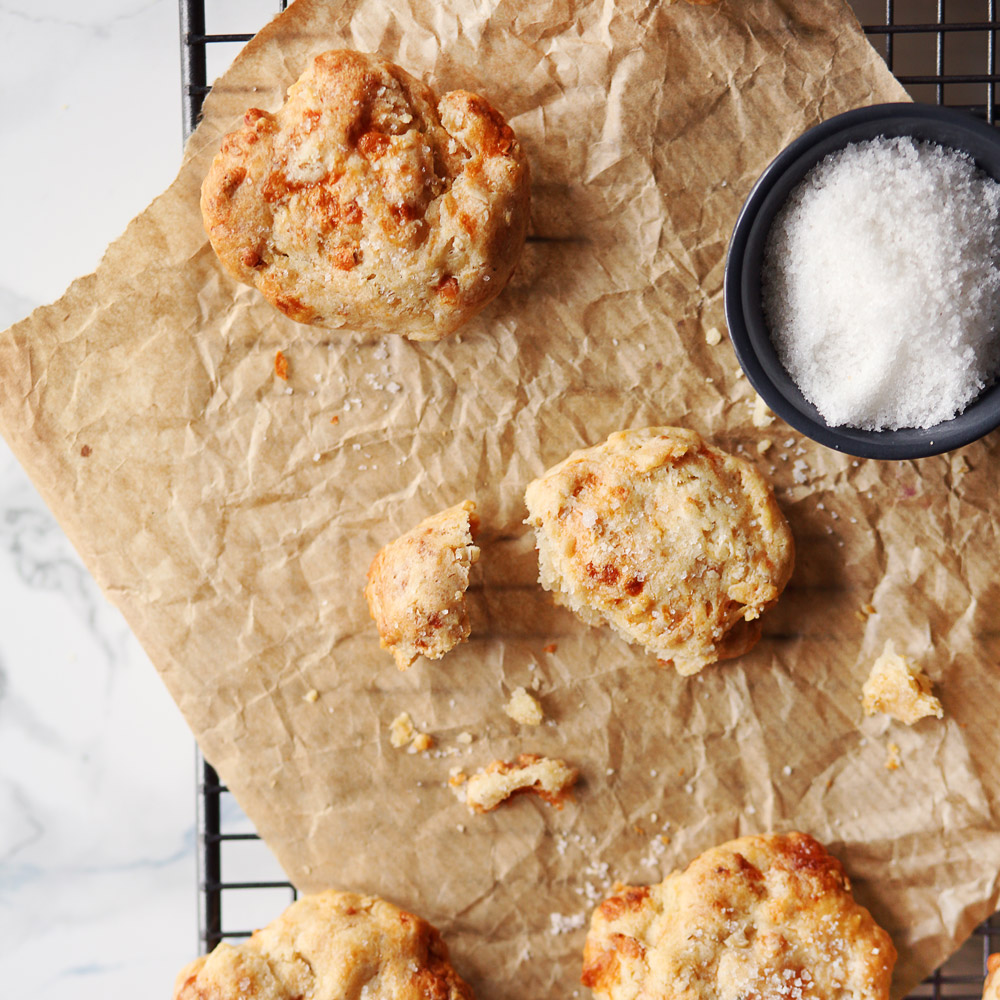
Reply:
x=906 y=443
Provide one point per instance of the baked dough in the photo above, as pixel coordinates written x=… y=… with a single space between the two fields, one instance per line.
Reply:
x=763 y=917
x=366 y=202
x=899 y=689
x=327 y=947
x=549 y=778
x=675 y=544
x=416 y=586
x=991 y=989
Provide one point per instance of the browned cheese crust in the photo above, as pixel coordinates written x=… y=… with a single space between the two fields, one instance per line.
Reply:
x=416 y=586
x=759 y=918
x=330 y=946
x=675 y=544
x=365 y=202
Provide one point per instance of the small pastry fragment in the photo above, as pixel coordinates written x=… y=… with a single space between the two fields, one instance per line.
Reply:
x=330 y=945
x=675 y=544
x=416 y=586
x=549 y=778
x=763 y=917
x=369 y=203
x=524 y=708
x=402 y=733
x=991 y=989
x=899 y=689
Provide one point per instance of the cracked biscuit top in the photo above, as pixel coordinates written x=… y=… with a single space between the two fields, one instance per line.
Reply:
x=330 y=946
x=366 y=203
x=675 y=544
x=758 y=918
x=416 y=586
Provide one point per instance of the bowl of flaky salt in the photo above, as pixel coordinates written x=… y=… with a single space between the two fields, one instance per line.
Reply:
x=862 y=285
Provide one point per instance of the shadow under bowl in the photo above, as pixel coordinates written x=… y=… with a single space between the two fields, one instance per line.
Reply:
x=744 y=313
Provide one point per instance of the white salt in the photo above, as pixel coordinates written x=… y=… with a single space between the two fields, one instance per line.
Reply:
x=881 y=284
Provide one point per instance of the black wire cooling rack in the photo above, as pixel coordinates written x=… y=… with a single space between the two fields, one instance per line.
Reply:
x=942 y=51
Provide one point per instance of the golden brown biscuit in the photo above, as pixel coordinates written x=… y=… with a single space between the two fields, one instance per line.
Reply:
x=676 y=545
x=991 y=989
x=899 y=689
x=762 y=917
x=416 y=586
x=327 y=947
x=365 y=202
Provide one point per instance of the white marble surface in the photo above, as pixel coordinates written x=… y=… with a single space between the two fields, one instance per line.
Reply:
x=97 y=807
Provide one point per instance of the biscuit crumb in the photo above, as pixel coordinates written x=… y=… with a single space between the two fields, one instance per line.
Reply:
x=713 y=336
x=550 y=648
x=893 y=760
x=311 y=695
x=523 y=708
x=899 y=689
x=421 y=743
x=465 y=739
x=762 y=415
x=335 y=419
x=763 y=445
x=549 y=778
x=281 y=366
x=402 y=733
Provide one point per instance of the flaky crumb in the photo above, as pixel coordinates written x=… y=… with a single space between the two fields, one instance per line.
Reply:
x=899 y=689
x=763 y=445
x=401 y=730
x=713 y=336
x=465 y=739
x=421 y=743
x=523 y=708
x=892 y=759
x=549 y=778
x=311 y=695
x=281 y=366
x=403 y=733
x=762 y=416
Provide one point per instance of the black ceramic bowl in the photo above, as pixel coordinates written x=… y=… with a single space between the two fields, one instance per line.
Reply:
x=744 y=315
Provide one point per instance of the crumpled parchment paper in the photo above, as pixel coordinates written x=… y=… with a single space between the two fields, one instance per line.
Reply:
x=232 y=516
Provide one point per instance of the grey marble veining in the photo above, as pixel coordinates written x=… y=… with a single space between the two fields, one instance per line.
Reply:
x=97 y=839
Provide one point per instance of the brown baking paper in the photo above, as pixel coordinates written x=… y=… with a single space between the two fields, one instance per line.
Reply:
x=231 y=516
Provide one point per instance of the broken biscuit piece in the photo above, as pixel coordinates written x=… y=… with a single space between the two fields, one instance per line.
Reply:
x=416 y=586
x=548 y=777
x=899 y=689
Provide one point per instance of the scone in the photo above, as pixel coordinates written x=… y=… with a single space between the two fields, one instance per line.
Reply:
x=675 y=544
x=763 y=917
x=366 y=202
x=991 y=989
x=416 y=586
x=327 y=947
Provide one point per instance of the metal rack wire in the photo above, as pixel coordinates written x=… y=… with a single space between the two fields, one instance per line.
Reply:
x=943 y=52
